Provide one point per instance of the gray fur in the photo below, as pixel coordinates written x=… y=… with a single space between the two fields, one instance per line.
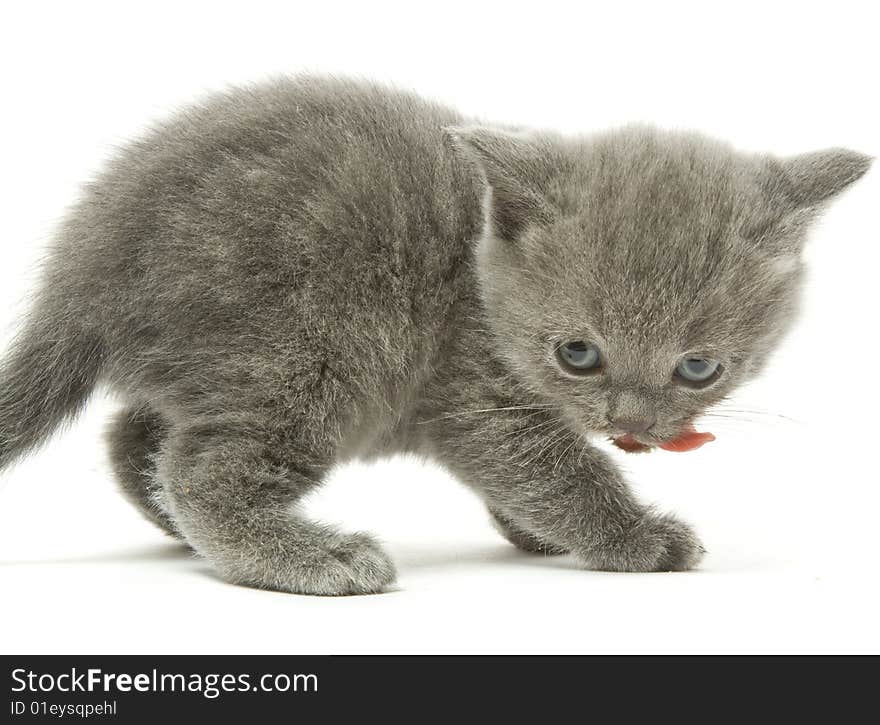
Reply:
x=297 y=274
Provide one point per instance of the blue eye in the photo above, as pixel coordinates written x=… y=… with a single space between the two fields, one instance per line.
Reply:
x=698 y=371
x=580 y=357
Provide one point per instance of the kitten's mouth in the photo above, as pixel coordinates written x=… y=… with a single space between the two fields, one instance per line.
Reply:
x=688 y=440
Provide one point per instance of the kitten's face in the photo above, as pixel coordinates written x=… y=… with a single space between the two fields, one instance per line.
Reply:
x=635 y=279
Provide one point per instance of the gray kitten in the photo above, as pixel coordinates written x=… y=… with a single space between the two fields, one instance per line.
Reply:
x=310 y=271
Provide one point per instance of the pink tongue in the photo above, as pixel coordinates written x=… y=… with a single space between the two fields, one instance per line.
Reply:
x=689 y=440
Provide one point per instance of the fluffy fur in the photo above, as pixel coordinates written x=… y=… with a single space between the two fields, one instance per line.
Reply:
x=313 y=270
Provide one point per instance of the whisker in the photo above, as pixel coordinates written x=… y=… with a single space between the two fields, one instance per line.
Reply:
x=547 y=449
x=544 y=444
x=748 y=411
x=538 y=408
x=749 y=418
x=521 y=431
x=564 y=453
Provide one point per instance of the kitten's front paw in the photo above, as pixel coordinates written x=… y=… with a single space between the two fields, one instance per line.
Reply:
x=655 y=543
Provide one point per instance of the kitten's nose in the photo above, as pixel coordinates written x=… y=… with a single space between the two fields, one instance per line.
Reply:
x=632 y=425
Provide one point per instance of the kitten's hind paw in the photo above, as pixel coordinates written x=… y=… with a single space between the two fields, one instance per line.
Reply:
x=335 y=565
x=656 y=543
x=355 y=564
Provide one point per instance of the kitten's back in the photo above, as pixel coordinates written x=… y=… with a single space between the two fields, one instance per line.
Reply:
x=248 y=240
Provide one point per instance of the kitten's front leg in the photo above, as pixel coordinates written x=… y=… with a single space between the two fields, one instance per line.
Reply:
x=522 y=539
x=546 y=481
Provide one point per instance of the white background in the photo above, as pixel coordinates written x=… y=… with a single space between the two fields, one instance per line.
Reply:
x=787 y=506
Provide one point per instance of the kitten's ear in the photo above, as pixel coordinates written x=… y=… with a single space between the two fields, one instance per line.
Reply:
x=799 y=187
x=516 y=169
x=810 y=180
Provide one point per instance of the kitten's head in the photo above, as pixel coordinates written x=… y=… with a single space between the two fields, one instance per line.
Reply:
x=635 y=278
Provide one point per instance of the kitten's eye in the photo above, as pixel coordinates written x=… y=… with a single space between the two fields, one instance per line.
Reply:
x=580 y=357
x=698 y=372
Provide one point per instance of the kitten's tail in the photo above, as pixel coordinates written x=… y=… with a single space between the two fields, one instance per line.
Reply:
x=45 y=379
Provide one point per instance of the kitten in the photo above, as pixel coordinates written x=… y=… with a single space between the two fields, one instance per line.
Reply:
x=310 y=271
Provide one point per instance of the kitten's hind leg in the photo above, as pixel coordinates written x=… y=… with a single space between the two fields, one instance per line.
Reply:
x=232 y=492
x=523 y=539
x=135 y=438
